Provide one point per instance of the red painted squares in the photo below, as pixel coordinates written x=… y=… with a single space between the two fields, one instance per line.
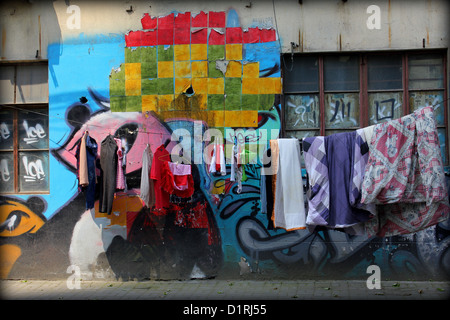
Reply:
x=133 y=38
x=268 y=35
x=149 y=22
x=182 y=35
x=251 y=36
x=216 y=37
x=149 y=38
x=200 y=20
x=234 y=35
x=217 y=19
x=165 y=36
x=199 y=36
x=166 y=22
x=183 y=20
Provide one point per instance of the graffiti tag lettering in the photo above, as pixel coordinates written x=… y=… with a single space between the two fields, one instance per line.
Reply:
x=4 y=131
x=34 y=170
x=4 y=170
x=33 y=133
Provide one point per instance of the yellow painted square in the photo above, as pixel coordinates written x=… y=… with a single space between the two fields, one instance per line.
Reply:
x=181 y=84
x=199 y=69
x=216 y=86
x=251 y=70
x=199 y=101
x=249 y=118
x=199 y=51
x=200 y=85
x=149 y=103
x=165 y=102
x=233 y=51
x=182 y=52
x=216 y=118
x=165 y=69
x=233 y=118
x=269 y=85
x=250 y=85
x=234 y=70
x=132 y=71
x=182 y=69
x=199 y=115
x=133 y=87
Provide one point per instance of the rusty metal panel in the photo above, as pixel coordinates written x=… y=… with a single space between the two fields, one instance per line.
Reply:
x=32 y=84
x=6 y=84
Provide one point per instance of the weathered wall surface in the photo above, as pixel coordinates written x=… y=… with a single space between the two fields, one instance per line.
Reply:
x=227 y=52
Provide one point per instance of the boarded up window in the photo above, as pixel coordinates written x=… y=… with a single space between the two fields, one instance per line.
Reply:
x=24 y=128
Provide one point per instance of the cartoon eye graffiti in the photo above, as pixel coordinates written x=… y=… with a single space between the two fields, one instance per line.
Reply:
x=16 y=218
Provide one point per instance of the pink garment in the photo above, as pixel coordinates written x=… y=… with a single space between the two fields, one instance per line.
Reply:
x=120 y=177
x=180 y=175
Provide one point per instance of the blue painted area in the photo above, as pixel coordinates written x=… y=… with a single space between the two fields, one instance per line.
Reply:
x=267 y=54
x=78 y=64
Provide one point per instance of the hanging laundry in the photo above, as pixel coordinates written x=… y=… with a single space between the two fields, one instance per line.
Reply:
x=289 y=209
x=83 y=178
x=181 y=173
x=120 y=178
x=217 y=165
x=147 y=191
x=86 y=155
x=108 y=162
x=405 y=174
x=236 y=167
x=92 y=157
x=160 y=158
x=266 y=194
x=334 y=173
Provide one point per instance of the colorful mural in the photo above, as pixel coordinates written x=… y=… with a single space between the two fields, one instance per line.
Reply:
x=192 y=72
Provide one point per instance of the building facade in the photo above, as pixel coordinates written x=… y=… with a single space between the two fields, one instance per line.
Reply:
x=197 y=73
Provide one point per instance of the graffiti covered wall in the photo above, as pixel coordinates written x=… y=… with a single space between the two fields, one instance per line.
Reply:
x=181 y=75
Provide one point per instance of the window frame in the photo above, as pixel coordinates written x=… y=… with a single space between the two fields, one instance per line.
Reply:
x=364 y=91
x=16 y=109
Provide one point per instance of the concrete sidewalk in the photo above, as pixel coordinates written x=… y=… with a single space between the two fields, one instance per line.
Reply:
x=222 y=290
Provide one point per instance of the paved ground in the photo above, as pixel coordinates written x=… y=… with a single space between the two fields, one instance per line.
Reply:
x=225 y=290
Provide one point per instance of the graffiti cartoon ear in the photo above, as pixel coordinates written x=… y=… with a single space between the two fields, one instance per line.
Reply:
x=77 y=115
x=37 y=204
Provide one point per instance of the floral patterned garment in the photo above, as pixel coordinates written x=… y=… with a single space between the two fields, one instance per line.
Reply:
x=405 y=167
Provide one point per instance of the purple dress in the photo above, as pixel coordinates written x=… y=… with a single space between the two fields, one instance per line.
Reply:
x=331 y=162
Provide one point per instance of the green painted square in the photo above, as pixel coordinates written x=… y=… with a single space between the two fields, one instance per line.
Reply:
x=133 y=103
x=149 y=86
x=250 y=102
x=266 y=101
x=165 y=86
x=116 y=87
x=132 y=55
x=216 y=52
x=216 y=102
x=213 y=72
x=148 y=54
x=233 y=86
x=233 y=102
x=118 y=74
x=149 y=70
x=165 y=53
x=117 y=104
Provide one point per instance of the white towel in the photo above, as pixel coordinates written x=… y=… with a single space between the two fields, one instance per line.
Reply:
x=289 y=207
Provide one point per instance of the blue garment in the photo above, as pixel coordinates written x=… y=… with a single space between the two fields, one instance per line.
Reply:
x=91 y=155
